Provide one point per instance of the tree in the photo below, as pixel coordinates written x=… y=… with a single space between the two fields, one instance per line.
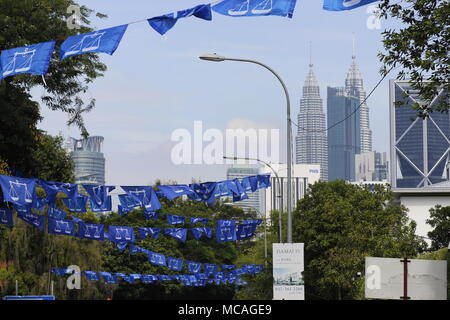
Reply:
x=341 y=224
x=440 y=221
x=28 y=22
x=420 y=46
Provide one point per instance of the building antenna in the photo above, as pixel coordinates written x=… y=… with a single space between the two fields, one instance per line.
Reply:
x=354 y=47
x=310 y=55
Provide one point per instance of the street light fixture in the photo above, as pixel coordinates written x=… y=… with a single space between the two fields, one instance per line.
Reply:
x=218 y=58
x=280 y=197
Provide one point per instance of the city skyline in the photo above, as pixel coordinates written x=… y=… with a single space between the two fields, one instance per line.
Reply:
x=135 y=110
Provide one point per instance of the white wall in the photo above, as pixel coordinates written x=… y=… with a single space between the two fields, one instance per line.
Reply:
x=419 y=207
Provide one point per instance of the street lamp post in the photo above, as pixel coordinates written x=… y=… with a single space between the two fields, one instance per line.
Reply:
x=218 y=58
x=280 y=197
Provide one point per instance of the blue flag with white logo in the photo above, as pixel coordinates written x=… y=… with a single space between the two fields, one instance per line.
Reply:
x=108 y=277
x=174 y=264
x=151 y=215
x=339 y=5
x=210 y=268
x=105 y=40
x=199 y=232
x=121 y=234
x=157 y=259
x=53 y=188
x=263 y=181
x=6 y=217
x=145 y=232
x=22 y=209
x=149 y=278
x=56 y=213
x=247 y=229
x=92 y=231
x=199 y=220
x=226 y=230
x=164 y=23
x=33 y=59
x=173 y=219
x=128 y=202
x=145 y=196
x=251 y=8
x=173 y=191
x=98 y=194
x=121 y=210
x=178 y=233
x=194 y=267
x=91 y=275
x=250 y=183
x=76 y=204
x=105 y=207
x=39 y=204
x=61 y=227
x=36 y=220
x=18 y=191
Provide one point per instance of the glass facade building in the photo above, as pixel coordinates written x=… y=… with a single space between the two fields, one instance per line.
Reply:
x=344 y=136
x=241 y=171
x=419 y=147
x=89 y=160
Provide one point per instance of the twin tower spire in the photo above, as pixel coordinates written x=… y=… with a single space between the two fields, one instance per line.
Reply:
x=311 y=140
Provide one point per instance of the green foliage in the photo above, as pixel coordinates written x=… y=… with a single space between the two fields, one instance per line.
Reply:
x=440 y=222
x=341 y=224
x=420 y=47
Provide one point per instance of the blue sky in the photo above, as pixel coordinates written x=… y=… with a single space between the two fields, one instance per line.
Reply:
x=155 y=85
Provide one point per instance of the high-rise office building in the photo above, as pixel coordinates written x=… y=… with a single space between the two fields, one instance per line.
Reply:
x=371 y=166
x=88 y=158
x=354 y=87
x=420 y=148
x=344 y=135
x=311 y=140
x=240 y=171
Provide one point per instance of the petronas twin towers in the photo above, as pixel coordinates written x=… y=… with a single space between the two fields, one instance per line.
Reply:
x=311 y=140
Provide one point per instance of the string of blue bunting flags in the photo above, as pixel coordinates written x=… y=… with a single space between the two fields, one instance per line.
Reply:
x=196 y=280
x=35 y=58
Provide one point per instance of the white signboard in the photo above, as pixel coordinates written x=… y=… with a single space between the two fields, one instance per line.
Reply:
x=288 y=267
x=427 y=279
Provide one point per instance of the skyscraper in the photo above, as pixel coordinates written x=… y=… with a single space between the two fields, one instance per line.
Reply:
x=311 y=140
x=240 y=171
x=354 y=87
x=344 y=137
x=88 y=158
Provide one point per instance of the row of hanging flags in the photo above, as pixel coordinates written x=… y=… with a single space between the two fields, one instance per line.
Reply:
x=35 y=58
x=210 y=276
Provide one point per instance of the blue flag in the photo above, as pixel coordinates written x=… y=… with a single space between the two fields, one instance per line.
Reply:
x=199 y=232
x=174 y=264
x=121 y=234
x=247 y=229
x=250 y=183
x=53 y=188
x=165 y=277
x=157 y=259
x=149 y=278
x=91 y=275
x=18 y=191
x=237 y=189
x=173 y=219
x=121 y=210
x=6 y=217
x=77 y=204
x=174 y=191
x=108 y=277
x=91 y=231
x=263 y=181
x=151 y=215
x=177 y=233
x=60 y=272
x=228 y=267
x=242 y=8
x=33 y=59
x=36 y=220
x=164 y=23
x=76 y=219
x=105 y=40
x=98 y=194
x=339 y=5
x=226 y=230
x=210 y=268
x=194 y=267
x=120 y=245
x=61 y=227
x=56 y=213
x=22 y=209
x=145 y=232
x=39 y=204
x=199 y=220
x=145 y=196
x=128 y=202
x=105 y=207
